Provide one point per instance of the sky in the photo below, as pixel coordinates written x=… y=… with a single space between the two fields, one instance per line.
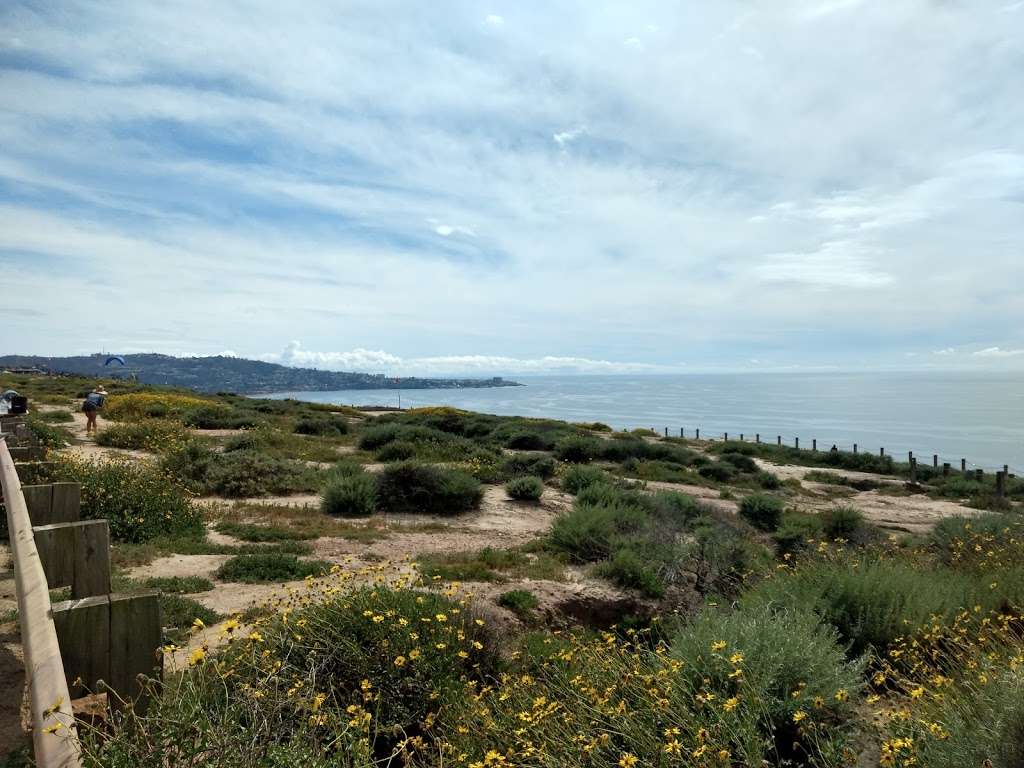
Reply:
x=509 y=187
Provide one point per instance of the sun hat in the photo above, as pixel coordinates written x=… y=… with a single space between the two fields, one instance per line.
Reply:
x=100 y=390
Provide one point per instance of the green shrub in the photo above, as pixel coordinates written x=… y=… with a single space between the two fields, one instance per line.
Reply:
x=525 y=440
x=323 y=426
x=139 y=501
x=399 y=450
x=218 y=417
x=350 y=496
x=239 y=473
x=177 y=614
x=762 y=511
x=842 y=522
x=790 y=664
x=270 y=566
x=719 y=471
x=147 y=435
x=413 y=487
x=519 y=601
x=54 y=417
x=47 y=434
x=768 y=481
x=631 y=570
x=794 y=531
x=598 y=524
x=577 y=449
x=525 y=488
x=578 y=477
x=539 y=464
x=740 y=461
x=594 y=426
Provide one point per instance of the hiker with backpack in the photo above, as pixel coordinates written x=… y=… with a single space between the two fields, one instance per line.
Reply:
x=91 y=407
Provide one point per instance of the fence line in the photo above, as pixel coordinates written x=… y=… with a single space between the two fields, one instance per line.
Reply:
x=53 y=724
x=964 y=463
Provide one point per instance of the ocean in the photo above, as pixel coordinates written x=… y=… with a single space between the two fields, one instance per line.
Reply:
x=975 y=416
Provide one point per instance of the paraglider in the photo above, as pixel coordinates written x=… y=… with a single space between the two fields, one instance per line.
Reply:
x=113 y=358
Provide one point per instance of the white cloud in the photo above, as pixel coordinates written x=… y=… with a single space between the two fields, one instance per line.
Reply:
x=945 y=352
x=379 y=361
x=567 y=137
x=998 y=352
x=494 y=20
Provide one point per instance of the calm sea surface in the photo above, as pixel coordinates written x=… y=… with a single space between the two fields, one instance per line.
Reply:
x=979 y=417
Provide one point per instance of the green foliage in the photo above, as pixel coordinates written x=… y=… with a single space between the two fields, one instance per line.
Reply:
x=399 y=450
x=740 y=461
x=54 y=417
x=529 y=440
x=525 y=488
x=719 y=471
x=519 y=464
x=147 y=435
x=842 y=522
x=219 y=417
x=322 y=425
x=269 y=566
x=353 y=495
x=789 y=660
x=631 y=570
x=519 y=601
x=413 y=487
x=262 y=533
x=239 y=473
x=490 y=565
x=859 y=462
x=177 y=614
x=46 y=434
x=577 y=449
x=795 y=530
x=762 y=511
x=139 y=501
x=831 y=478
x=594 y=426
x=578 y=477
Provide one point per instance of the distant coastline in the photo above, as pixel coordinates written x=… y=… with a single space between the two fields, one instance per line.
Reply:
x=234 y=374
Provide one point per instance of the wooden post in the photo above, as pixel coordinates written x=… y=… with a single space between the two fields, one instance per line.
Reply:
x=979 y=474
x=913 y=471
x=814 y=444
x=741 y=437
x=1006 y=469
x=76 y=555
x=935 y=460
x=963 y=465
x=910 y=456
x=1001 y=485
x=135 y=647
x=945 y=469
x=796 y=443
x=854 y=447
x=778 y=439
x=726 y=438
x=757 y=438
x=681 y=432
x=698 y=433
x=666 y=431
x=53 y=503
x=881 y=451
x=83 y=630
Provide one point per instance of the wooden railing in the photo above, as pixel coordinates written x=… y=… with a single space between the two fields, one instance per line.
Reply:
x=53 y=724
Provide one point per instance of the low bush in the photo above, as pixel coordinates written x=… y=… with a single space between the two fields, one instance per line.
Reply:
x=270 y=566
x=740 y=461
x=631 y=570
x=795 y=530
x=578 y=477
x=147 y=435
x=762 y=511
x=399 y=450
x=324 y=426
x=239 y=473
x=525 y=488
x=768 y=481
x=719 y=471
x=577 y=449
x=139 y=500
x=352 y=495
x=54 y=417
x=519 y=601
x=46 y=434
x=177 y=614
x=525 y=440
x=135 y=406
x=594 y=426
x=217 y=416
x=413 y=487
x=842 y=522
x=539 y=464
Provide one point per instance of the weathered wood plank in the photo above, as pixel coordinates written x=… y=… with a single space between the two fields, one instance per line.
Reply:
x=67 y=503
x=76 y=555
x=134 y=644
x=83 y=630
x=39 y=501
x=56 y=546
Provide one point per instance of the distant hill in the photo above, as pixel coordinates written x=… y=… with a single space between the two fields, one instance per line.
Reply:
x=233 y=374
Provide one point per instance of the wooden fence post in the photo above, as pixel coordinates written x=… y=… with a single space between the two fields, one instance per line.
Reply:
x=53 y=503
x=757 y=438
x=666 y=431
x=935 y=460
x=979 y=474
x=725 y=438
x=83 y=632
x=76 y=555
x=796 y=443
x=945 y=469
x=778 y=439
x=698 y=433
x=881 y=451
x=814 y=444
x=854 y=447
x=913 y=471
x=135 y=647
x=1001 y=485
x=963 y=465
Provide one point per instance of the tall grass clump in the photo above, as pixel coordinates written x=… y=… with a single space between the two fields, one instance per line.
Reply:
x=349 y=495
x=762 y=511
x=269 y=566
x=148 y=435
x=578 y=477
x=323 y=426
x=525 y=488
x=413 y=487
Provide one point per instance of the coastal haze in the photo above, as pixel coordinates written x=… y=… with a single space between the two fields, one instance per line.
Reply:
x=979 y=417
